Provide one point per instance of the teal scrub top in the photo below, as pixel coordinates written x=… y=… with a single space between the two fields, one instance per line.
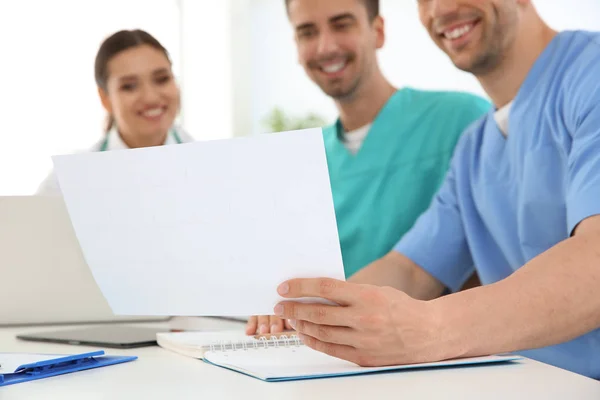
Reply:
x=380 y=191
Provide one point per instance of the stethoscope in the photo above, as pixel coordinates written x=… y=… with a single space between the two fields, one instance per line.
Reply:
x=104 y=145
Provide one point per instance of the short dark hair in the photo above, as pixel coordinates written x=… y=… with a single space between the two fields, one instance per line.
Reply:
x=115 y=44
x=372 y=7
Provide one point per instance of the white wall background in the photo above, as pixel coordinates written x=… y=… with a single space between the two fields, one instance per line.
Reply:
x=48 y=100
x=206 y=84
x=235 y=60
x=49 y=103
x=408 y=58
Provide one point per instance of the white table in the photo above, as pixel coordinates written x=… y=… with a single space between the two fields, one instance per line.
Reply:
x=160 y=374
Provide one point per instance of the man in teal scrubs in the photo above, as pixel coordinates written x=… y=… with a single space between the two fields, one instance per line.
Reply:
x=390 y=149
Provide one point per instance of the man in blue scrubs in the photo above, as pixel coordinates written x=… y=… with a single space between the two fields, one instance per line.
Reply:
x=521 y=203
x=390 y=149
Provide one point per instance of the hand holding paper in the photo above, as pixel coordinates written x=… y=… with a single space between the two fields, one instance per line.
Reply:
x=372 y=326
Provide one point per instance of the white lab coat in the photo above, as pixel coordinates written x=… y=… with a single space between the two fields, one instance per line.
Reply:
x=50 y=185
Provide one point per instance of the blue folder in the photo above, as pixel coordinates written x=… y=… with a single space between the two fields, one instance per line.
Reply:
x=61 y=365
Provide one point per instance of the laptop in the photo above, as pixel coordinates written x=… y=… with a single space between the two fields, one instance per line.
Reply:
x=44 y=278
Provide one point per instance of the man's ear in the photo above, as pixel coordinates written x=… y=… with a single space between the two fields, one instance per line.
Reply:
x=379 y=27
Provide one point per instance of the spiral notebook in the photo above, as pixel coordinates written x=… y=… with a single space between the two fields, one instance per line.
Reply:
x=284 y=357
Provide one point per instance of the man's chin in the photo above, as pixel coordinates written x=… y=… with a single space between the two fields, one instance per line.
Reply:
x=476 y=64
x=462 y=62
x=337 y=93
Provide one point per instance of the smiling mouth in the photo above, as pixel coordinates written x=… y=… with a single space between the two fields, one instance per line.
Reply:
x=458 y=32
x=334 y=68
x=153 y=113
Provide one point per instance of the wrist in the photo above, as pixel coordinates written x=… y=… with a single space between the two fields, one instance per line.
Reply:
x=452 y=341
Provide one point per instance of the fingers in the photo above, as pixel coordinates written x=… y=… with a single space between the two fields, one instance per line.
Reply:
x=288 y=325
x=321 y=314
x=275 y=324
x=252 y=325
x=265 y=324
x=325 y=333
x=335 y=350
x=340 y=292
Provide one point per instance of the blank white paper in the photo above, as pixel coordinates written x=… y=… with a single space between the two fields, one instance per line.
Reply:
x=204 y=228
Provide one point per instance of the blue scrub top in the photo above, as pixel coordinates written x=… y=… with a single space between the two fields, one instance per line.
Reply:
x=508 y=199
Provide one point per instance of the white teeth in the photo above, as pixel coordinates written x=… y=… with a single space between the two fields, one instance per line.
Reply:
x=458 y=32
x=154 y=112
x=331 y=69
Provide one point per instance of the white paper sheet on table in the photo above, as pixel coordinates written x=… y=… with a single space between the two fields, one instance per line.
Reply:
x=204 y=228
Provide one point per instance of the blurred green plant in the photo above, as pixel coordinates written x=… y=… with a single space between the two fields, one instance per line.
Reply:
x=279 y=121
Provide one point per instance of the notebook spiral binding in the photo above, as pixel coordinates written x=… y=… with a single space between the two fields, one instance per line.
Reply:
x=262 y=343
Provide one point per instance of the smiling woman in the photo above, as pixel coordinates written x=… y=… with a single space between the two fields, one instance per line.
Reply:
x=138 y=91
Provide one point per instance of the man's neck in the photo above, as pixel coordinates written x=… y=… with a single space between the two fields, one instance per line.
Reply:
x=503 y=83
x=366 y=104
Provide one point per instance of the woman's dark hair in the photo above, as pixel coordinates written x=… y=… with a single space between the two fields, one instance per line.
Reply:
x=115 y=44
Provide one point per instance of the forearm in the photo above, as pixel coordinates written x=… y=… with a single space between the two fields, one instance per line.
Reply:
x=398 y=271
x=552 y=299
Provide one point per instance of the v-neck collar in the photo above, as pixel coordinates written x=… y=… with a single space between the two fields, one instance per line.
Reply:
x=530 y=82
x=375 y=131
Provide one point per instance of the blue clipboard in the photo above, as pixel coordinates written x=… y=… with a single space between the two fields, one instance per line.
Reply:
x=60 y=366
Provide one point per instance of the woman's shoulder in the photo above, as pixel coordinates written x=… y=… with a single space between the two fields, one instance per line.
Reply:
x=183 y=134
x=50 y=186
